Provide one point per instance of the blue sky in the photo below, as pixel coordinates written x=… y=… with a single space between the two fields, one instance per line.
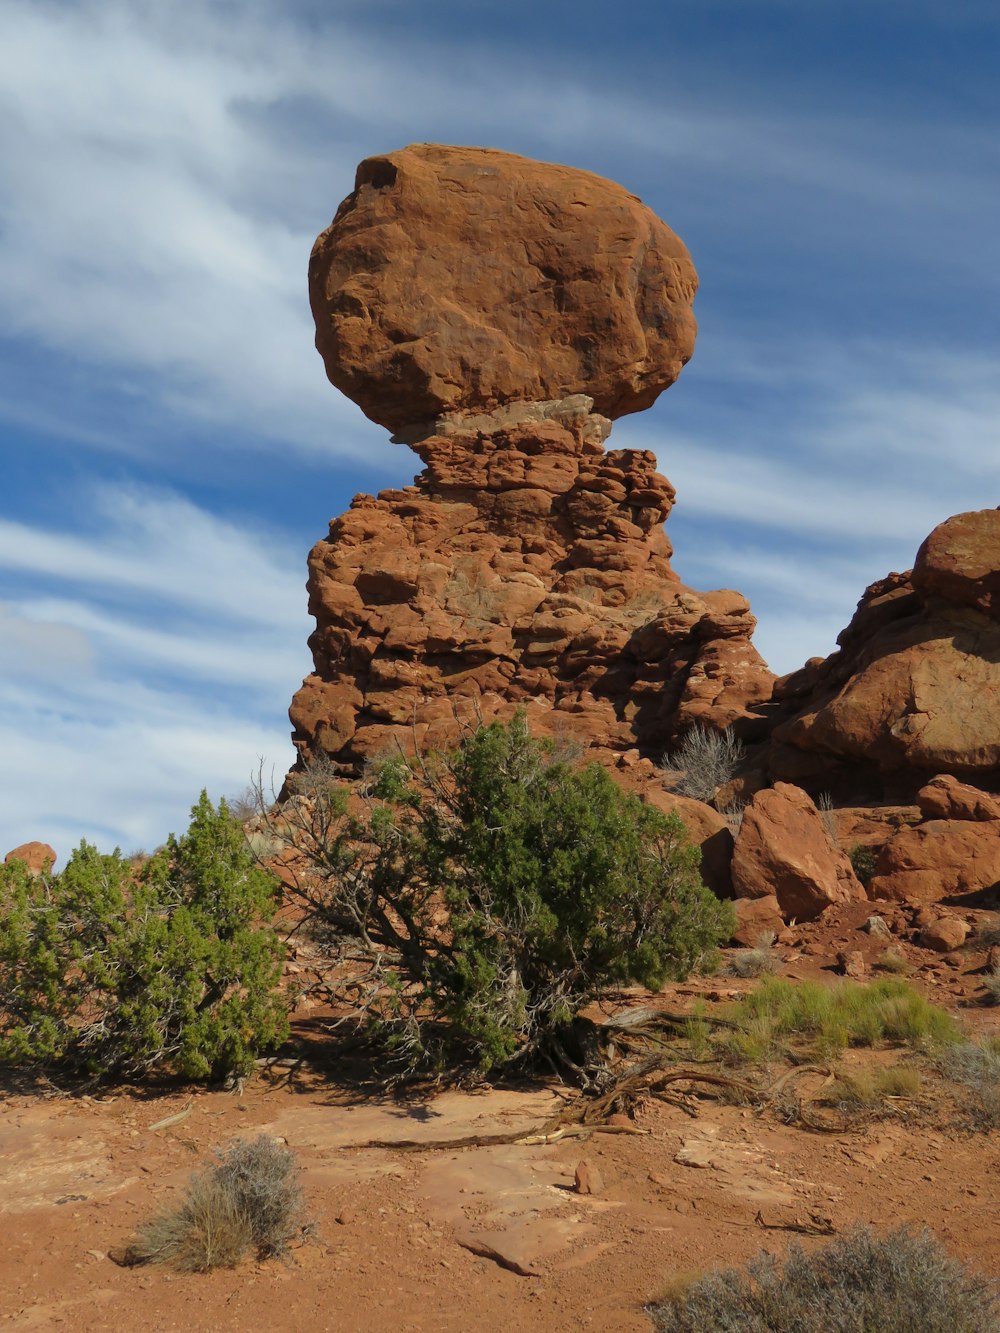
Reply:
x=170 y=445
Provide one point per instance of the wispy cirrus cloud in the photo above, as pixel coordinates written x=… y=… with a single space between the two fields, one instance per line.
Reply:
x=141 y=660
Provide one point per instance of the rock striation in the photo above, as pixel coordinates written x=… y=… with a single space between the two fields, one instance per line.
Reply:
x=462 y=279
x=526 y=566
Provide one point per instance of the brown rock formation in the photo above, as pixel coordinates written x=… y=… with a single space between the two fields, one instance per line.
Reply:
x=946 y=798
x=784 y=849
x=914 y=689
x=939 y=859
x=37 y=856
x=525 y=567
x=461 y=279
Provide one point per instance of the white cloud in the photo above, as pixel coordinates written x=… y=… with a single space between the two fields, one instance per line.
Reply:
x=45 y=646
x=157 y=654
x=166 y=170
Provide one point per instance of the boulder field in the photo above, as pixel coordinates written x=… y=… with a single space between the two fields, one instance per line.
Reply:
x=497 y=314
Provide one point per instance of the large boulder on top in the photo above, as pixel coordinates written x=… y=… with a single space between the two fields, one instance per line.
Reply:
x=462 y=279
x=960 y=562
x=783 y=848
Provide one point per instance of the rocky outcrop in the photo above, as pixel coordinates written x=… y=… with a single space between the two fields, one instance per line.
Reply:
x=39 y=857
x=526 y=566
x=462 y=279
x=913 y=689
x=940 y=859
x=784 y=849
x=945 y=797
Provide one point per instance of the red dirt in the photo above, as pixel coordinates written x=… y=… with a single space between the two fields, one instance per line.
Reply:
x=397 y=1230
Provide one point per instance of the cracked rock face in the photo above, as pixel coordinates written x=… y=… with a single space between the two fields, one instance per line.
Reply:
x=463 y=279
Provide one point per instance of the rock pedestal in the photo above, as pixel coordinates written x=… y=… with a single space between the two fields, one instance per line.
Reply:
x=527 y=566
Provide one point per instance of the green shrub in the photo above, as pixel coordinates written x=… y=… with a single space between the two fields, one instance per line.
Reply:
x=864 y=861
x=901 y=1283
x=496 y=891
x=250 y=1199
x=113 y=969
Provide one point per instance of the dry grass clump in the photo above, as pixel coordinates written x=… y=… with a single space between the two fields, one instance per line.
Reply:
x=975 y=1066
x=868 y=1089
x=707 y=760
x=893 y=961
x=992 y=984
x=757 y=961
x=902 y=1283
x=248 y=1201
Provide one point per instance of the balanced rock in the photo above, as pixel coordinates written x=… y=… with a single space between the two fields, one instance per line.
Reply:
x=784 y=849
x=462 y=279
x=913 y=690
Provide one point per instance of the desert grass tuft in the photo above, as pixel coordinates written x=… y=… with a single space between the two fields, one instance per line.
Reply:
x=758 y=960
x=868 y=1089
x=975 y=1066
x=249 y=1200
x=832 y=1018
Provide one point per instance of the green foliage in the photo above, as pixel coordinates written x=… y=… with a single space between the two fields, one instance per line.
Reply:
x=249 y=1199
x=834 y=1017
x=859 y=1283
x=864 y=861
x=506 y=889
x=111 y=969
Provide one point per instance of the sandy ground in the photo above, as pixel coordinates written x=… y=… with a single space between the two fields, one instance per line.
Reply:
x=431 y=1239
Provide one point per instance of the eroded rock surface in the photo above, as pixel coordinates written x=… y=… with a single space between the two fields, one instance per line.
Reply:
x=525 y=567
x=914 y=689
x=460 y=279
x=784 y=849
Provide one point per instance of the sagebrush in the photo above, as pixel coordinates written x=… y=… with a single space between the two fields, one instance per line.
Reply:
x=115 y=969
x=249 y=1199
x=482 y=898
x=706 y=759
x=861 y=1283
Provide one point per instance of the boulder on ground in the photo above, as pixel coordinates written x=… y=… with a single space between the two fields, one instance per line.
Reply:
x=756 y=918
x=944 y=797
x=944 y=934
x=783 y=848
x=937 y=860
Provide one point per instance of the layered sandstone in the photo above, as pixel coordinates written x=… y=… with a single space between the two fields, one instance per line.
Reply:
x=462 y=279
x=526 y=566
